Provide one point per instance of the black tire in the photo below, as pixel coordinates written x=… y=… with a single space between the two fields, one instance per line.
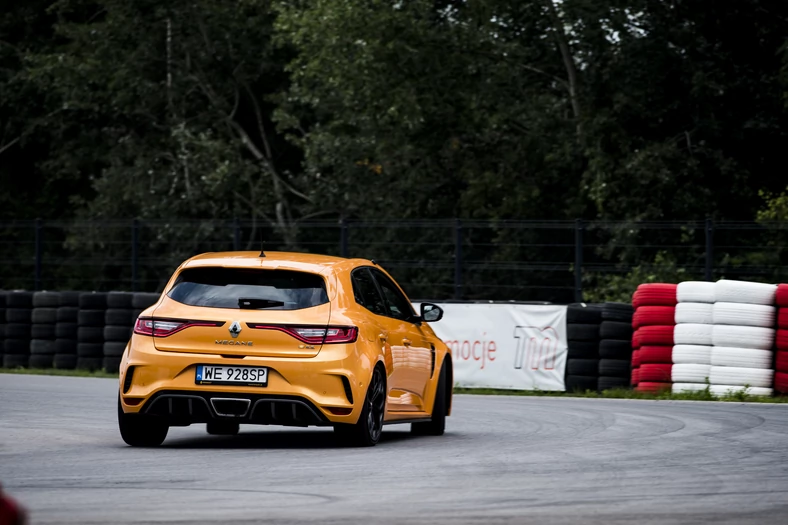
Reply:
x=89 y=363
x=16 y=346
x=42 y=347
x=366 y=432
x=65 y=346
x=582 y=350
x=614 y=368
x=615 y=349
x=90 y=334
x=41 y=361
x=42 y=331
x=65 y=361
x=66 y=331
x=606 y=383
x=139 y=430
x=141 y=301
x=617 y=312
x=90 y=350
x=46 y=300
x=582 y=332
x=222 y=428
x=17 y=331
x=2 y=332
x=580 y=383
x=581 y=313
x=44 y=316
x=18 y=315
x=15 y=360
x=67 y=314
x=114 y=349
x=90 y=318
x=69 y=299
x=19 y=300
x=119 y=299
x=117 y=333
x=582 y=367
x=116 y=317
x=436 y=426
x=93 y=301
x=615 y=330
x=111 y=365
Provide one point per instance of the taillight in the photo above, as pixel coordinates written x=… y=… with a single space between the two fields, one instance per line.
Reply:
x=314 y=335
x=166 y=327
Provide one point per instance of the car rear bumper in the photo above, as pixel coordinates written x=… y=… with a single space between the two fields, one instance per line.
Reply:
x=301 y=391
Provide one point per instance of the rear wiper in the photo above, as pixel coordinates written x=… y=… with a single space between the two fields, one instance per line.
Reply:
x=254 y=304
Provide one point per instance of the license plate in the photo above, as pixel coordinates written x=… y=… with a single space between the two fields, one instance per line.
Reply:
x=231 y=375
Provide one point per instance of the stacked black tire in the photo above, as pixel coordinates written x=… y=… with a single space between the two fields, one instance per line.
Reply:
x=42 y=332
x=582 y=326
x=615 y=346
x=66 y=331
x=18 y=316
x=119 y=324
x=2 y=326
x=90 y=330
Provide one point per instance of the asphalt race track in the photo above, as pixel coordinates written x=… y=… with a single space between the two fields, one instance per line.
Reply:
x=503 y=460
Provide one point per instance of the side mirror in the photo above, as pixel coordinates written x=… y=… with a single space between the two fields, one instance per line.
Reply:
x=431 y=313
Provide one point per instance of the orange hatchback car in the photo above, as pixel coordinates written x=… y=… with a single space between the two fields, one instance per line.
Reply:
x=283 y=339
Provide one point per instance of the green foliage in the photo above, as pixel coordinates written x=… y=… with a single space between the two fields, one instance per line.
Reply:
x=619 y=288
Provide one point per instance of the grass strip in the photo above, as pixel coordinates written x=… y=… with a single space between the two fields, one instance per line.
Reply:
x=58 y=372
x=626 y=393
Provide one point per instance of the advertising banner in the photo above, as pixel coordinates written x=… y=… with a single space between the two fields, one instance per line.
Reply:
x=506 y=346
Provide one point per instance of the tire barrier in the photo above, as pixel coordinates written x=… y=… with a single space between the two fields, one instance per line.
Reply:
x=18 y=329
x=582 y=361
x=615 y=345
x=781 y=340
x=68 y=329
x=653 y=321
x=743 y=337
x=693 y=336
x=42 y=330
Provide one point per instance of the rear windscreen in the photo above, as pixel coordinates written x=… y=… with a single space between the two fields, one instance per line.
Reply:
x=250 y=289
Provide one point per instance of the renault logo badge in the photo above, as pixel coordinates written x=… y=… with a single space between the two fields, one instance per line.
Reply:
x=235 y=329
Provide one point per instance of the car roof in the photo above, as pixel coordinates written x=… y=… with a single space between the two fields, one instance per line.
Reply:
x=305 y=262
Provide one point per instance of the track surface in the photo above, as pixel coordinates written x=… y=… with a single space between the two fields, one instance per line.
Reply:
x=503 y=460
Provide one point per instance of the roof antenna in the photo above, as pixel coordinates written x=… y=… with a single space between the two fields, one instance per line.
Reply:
x=262 y=244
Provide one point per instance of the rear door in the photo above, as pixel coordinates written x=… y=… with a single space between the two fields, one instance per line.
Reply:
x=242 y=311
x=412 y=354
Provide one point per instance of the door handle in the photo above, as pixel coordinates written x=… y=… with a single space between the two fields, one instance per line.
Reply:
x=407 y=342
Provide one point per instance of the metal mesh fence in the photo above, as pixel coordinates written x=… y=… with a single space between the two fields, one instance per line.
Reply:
x=436 y=259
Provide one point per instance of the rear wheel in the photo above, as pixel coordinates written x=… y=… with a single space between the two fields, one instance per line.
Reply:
x=437 y=424
x=138 y=430
x=366 y=432
x=222 y=428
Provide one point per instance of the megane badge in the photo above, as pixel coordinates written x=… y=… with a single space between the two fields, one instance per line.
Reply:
x=235 y=329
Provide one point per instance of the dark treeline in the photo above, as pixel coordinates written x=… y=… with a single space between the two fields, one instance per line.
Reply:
x=285 y=110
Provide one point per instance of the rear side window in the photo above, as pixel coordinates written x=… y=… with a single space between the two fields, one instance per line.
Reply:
x=366 y=292
x=249 y=289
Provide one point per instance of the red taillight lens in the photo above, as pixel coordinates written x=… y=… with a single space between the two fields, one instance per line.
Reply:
x=314 y=335
x=165 y=327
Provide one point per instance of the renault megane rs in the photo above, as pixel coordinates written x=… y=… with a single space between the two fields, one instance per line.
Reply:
x=283 y=339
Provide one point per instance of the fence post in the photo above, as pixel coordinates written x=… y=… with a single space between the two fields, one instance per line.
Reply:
x=236 y=234
x=135 y=232
x=458 y=259
x=709 y=249
x=39 y=255
x=579 y=260
x=343 y=238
